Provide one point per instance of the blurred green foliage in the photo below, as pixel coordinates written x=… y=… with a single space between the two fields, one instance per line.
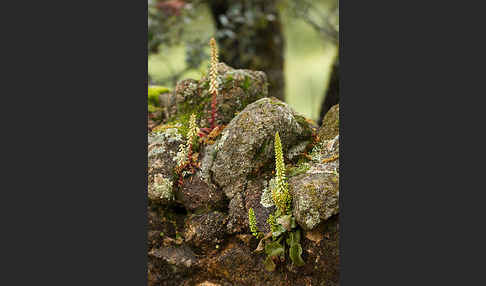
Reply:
x=182 y=50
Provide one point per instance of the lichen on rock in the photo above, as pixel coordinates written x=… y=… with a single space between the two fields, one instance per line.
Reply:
x=162 y=188
x=315 y=187
x=161 y=150
x=248 y=141
x=315 y=198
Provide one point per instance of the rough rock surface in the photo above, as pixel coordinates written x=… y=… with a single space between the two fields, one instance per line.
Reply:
x=179 y=256
x=197 y=194
x=315 y=192
x=162 y=147
x=205 y=230
x=247 y=142
x=242 y=202
x=330 y=124
x=315 y=197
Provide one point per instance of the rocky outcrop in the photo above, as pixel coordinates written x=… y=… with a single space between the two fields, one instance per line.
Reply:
x=198 y=223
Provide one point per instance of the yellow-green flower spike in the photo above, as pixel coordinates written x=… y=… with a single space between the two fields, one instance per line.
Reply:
x=252 y=221
x=280 y=195
x=185 y=150
x=213 y=81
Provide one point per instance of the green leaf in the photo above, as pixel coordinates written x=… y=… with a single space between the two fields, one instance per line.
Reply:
x=274 y=248
x=295 y=253
x=294 y=238
x=269 y=264
x=297 y=236
x=292 y=223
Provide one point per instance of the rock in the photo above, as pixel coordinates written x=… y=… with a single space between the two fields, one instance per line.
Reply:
x=162 y=148
x=206 y=230
x=156 y=227
x=237 y=88
x=315 y=197
x=235 y=263
x=242 y=202
x=315 y=192
x=247 y=142
x=253 y=195
x=330 y=124
x=197 y=194
x=238 y=215
x=179 y=256
x=169 y=265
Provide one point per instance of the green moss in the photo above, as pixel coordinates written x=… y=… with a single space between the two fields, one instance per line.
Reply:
x=185 y=111
x=152 y=108
x=304 y=123
x=245 y=85
x=153 y=94
x=330 y=124
x=298 y=169
x=276 y=102
x=205 y=84
x=228 y=81
x=245 y=101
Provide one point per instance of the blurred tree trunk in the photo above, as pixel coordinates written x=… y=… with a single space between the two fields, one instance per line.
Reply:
x=332 y=94
x=249 y=35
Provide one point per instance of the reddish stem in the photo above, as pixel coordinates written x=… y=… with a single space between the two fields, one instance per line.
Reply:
x=213 y=111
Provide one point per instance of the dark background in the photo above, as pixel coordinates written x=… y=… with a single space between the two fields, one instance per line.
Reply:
x=74 y=143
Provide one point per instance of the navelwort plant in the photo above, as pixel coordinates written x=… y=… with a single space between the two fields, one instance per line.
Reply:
x=184 y=157
x=213 y=81
x=282 y=223
x=253 y=227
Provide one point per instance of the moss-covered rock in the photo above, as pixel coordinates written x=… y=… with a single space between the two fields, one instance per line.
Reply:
x=330 y=124
x=154 y=91
x=155 y=110
x=237 y=89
